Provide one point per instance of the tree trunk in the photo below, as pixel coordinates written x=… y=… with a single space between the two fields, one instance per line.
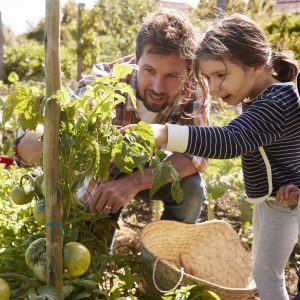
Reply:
x=79 y=42
x=2 y=70
x=51 y=147
x=221 y=5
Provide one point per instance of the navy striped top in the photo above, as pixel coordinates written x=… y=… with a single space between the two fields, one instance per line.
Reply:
x=271 y=120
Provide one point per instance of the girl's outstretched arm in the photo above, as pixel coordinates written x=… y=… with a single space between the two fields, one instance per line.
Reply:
x=160 y=132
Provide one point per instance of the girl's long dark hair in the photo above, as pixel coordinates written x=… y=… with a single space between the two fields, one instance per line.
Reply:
x=241 y=40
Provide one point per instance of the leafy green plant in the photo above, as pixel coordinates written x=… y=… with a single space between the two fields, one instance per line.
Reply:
x=89 y=143
x=88 y=140
x=26 y=60
x=17 y=226
x=283 y=32
x=108 y=31
x=191 y=292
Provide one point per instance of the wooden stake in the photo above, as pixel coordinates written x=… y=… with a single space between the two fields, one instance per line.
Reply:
x=51 y=147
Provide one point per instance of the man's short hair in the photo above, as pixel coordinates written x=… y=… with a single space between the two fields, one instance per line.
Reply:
x=168 y=31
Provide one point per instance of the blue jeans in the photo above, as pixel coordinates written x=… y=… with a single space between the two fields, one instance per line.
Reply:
x=188 y=211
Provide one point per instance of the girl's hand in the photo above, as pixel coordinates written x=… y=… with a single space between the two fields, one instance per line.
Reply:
x=288 y=194
x=160 y=133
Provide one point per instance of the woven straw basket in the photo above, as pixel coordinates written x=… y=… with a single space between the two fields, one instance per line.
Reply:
x=212 y=250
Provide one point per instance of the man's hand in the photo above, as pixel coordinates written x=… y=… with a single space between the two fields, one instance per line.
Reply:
x=288 y=194
x=160 y=133
x=111 y=196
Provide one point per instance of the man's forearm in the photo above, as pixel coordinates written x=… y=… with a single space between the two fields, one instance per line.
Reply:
x=30 y=147
x=182 y=164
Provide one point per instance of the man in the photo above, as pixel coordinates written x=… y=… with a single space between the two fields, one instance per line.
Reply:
x=166 y=91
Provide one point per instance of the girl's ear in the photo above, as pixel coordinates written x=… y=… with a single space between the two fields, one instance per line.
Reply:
x=259 y=69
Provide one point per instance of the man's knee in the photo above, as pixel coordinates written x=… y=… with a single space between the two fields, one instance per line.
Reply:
x=194 y=195
x=193 y=188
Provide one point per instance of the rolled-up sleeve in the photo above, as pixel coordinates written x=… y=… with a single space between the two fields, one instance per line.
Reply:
x=199 y=116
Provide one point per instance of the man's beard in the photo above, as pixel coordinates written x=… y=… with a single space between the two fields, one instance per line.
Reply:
x=156 y=107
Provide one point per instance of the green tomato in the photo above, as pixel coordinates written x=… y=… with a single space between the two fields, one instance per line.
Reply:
x=40 y=270
x=39 y=212
x=39 y=180
x=4 y=290
x=35 y=252
x=43 y=188
x=76 y=259
x=22 y=194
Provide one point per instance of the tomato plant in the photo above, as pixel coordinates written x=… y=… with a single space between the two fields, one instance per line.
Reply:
x=89 y=142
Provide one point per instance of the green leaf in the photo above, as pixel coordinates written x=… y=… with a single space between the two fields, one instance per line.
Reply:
x=48 y=292
x=209 y=295
x=127 y=278
x=18 y=98
x=176 y=191
x=145 y=132
x=121 y=71
x=161 y=172
x=125 y=88
x=28 y=120
x=13 y=77
x=25 y=102
x=68 y=289
x=82 y=296
x=122 y=161
x=246 y=209
x=161 y=155
x=88 y=284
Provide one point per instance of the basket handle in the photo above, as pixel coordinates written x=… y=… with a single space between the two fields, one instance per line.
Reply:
x=154 y=281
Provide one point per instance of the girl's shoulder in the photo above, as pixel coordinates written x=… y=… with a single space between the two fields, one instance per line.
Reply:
x=279 y=93
x=280 y=97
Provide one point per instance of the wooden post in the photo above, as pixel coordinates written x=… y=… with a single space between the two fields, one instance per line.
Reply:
x=51 y=147
x=2 y=70
x=79 y=42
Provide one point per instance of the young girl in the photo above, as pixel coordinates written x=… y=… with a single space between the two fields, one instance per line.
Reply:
x=239 y=66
